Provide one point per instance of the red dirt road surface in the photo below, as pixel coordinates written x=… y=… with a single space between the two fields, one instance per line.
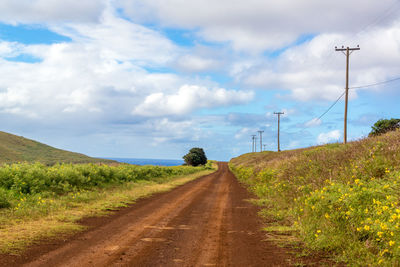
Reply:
x=206 y=222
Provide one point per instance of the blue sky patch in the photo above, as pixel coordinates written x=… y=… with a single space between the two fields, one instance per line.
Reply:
x=30 y=34
x=24 y=58
x=299 y=41
x=180 y=37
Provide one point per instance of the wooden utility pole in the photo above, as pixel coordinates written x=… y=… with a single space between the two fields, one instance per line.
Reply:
x=279 y=118
x=254 y=141
x=348 y=51
x=260 y=132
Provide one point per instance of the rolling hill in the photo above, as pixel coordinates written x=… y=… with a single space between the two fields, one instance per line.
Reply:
x=15 y=148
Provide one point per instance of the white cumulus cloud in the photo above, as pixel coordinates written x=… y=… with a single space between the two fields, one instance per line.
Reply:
x=193 y=63
x=189 y=98
x=328 y=137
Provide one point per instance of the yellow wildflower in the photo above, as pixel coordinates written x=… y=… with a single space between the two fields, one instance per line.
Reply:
x=384 y=251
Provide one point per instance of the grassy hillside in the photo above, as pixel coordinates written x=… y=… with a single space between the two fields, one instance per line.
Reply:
x=340 y=199
x=19 y=149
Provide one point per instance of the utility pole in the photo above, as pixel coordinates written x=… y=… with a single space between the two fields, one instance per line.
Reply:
x=265 y=147
x=254 y=141
x=279 y=118
x=260 y=132
x=348 y=51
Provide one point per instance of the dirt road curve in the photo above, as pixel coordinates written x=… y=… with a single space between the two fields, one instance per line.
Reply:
x=207 y=222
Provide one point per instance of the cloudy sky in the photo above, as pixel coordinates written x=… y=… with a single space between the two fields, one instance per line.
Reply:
x=151 y=79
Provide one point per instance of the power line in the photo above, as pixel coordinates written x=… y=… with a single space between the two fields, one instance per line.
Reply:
x=384 y=15
x=326 y=111
x=334 y=103
x=355 y=87
x=387 y=12
x=375 y=84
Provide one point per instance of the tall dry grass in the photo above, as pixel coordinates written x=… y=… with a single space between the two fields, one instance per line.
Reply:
x=338 y=198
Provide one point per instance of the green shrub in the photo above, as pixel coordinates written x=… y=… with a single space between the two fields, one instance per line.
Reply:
x=4 y=203
x=195 y=157
x=383 y=126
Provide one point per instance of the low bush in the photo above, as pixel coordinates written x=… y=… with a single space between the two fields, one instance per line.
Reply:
x=4 y=199
x=18 y=182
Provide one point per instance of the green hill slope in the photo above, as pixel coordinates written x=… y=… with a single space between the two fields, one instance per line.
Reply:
x=19 y=149
x=340 y=199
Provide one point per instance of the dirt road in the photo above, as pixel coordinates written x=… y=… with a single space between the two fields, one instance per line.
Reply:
x=206 y=222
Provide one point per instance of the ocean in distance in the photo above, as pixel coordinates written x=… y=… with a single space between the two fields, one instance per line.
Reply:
x=156 y=162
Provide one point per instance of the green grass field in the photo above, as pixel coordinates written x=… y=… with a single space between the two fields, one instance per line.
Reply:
x=38 y=201
x=343 y=200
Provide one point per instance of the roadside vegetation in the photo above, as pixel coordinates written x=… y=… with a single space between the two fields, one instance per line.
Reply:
x=39 y=201
x=343 y=200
